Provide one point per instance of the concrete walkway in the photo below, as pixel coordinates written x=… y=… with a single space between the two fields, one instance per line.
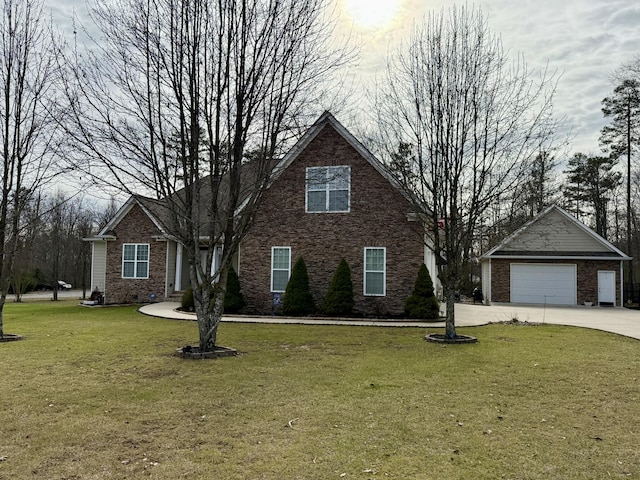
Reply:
x=169 y=310
x=615 y=320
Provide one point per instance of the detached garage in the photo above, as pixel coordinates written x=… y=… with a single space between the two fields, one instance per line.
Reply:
x=554 y=260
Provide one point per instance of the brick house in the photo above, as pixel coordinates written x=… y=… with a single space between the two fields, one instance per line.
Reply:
x=554 y=259
x=329 y=198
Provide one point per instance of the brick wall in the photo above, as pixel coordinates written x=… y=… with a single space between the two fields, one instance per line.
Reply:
x=135 y=227
x=587 y=273
x=500 y=280
x=377 y=218
x=588 y=279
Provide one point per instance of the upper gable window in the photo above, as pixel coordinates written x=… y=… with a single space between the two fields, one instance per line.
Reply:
x=328 y=189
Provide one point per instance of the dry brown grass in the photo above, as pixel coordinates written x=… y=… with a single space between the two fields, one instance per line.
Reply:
x=98 y=394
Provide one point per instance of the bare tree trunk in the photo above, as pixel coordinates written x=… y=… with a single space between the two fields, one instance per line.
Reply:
x=474 y=120
x=27 y=127
x=450 y=324
x=177 y=97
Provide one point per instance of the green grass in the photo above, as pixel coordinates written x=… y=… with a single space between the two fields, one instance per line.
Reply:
x=98 y=394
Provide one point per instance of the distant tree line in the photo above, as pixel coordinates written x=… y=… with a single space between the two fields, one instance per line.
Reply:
x=49 y=242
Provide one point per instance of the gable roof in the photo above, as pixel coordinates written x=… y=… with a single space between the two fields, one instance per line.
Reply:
x=555 y=234
x=328 y=119
x=144 y=203
x=157 y=210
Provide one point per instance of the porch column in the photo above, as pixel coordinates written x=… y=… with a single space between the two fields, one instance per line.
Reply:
x=178 y=280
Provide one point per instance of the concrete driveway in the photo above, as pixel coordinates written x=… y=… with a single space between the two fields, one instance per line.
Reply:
x=48 y=295
x=615 y=320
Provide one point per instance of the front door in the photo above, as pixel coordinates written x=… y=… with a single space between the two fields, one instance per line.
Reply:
x=606 y=288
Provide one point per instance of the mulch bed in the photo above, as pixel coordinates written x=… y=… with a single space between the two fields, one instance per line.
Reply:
x=194 y=353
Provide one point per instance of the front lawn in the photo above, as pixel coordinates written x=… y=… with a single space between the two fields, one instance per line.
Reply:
x=97 y=394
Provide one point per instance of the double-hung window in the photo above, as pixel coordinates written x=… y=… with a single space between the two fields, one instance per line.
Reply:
x=328 y=189
x=280 y=268
x=135 y=260
x=375 y=271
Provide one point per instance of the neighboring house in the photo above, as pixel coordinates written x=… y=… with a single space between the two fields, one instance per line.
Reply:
x=329 y=198
x=554 y=259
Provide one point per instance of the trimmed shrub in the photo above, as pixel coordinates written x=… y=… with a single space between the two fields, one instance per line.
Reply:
x=233 y=299
x=297 y=296
x=187 y=303
x=422 y=303
x=339 y=299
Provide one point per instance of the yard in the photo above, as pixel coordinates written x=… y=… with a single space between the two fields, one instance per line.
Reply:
x=97 y=394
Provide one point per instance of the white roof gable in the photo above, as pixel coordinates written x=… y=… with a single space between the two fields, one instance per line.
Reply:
x=124 y=210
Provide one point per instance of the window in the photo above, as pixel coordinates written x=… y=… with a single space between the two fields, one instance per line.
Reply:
x=328 y=189
x=375 y=271
x=135 y=260
x=280 y=268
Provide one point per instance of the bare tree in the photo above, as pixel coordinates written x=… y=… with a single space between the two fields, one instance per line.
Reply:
x=475 y=120
x=541 y=184
x=28 y=75
x=174 y=97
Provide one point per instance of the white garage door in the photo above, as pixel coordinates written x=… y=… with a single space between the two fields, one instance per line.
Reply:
x=540 y=283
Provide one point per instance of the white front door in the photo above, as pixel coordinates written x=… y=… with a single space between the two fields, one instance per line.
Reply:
x=606 y=288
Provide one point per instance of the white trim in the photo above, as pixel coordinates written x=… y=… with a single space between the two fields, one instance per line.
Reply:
x=136 y=261
x=490 y=281
x=327 y=190
x=93 y=263
x=384 y=273
x=166 y=271
x=615 y=296
x=552 y=257
x=272 y=269
x=177 y=283
x=621 y=284
x=124 y=210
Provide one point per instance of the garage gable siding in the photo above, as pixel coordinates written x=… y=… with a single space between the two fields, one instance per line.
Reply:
x=555 y=233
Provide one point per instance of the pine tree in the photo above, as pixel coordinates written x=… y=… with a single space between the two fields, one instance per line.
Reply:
x=339 y=298
x=297 y=296
x=423 y=303
x=622 y=136
x=589 y=186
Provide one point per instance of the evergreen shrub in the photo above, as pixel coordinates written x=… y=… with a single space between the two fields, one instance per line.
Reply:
x=297 y=296
x=187 y=303
x=233 y=299
x=339 y=298
x=423 y=303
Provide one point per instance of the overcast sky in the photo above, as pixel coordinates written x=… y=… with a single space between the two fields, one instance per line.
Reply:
x=584 y=41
